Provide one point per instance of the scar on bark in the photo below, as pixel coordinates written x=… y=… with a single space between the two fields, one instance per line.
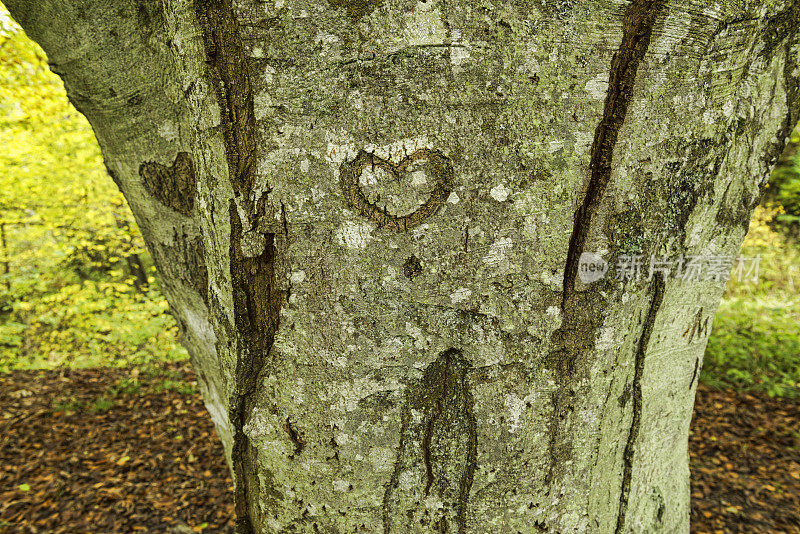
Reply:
x=580 y=309
x=442 y=444
x=174 y=186
x=698 y=326
x=412 y=267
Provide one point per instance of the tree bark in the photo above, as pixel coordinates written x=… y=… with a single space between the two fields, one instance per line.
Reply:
x=368 y=216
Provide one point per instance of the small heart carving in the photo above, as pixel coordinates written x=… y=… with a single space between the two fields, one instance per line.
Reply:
x=439 y=168
x=174 y=186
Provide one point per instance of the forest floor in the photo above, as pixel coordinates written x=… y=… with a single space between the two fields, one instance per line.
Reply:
x=98 y=450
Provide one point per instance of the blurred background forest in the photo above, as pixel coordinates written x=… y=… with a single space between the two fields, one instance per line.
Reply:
x=78 y=288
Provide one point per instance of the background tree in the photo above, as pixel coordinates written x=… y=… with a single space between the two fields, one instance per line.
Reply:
x=368 y=218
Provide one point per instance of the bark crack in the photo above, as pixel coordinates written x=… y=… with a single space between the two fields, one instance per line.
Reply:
x=295 y=437
x=446 y=438
x=256 y=298
x=638 y=371
x=580 y=310
x=694 y=373
x=638 y=25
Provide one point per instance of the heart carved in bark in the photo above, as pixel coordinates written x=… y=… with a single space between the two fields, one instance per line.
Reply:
x=437 y=169
x=172 y=186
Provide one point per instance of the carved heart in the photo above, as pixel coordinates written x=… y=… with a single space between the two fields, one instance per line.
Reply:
x=172 y=186
x=439 y=169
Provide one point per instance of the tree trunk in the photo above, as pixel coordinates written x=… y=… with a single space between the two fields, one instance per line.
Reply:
x=369 y=216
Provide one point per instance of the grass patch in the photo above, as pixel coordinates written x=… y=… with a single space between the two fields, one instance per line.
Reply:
x=755 y=342
x=103 y=404
x=178 y=386
x=125 y=386
x=755 y=346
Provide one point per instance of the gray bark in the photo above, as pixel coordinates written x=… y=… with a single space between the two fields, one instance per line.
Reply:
x=368 y=214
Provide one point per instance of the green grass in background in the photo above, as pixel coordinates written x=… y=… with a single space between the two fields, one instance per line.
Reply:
x=755 y=342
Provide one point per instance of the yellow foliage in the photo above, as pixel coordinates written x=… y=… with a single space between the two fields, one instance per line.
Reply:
x=760 y=233
x=779 y=268
x=69 y=234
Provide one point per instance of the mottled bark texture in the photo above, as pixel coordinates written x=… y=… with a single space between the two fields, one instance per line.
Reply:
x=368 y=217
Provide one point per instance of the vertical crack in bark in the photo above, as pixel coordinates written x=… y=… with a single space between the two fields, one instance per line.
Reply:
x=257 y=305
x=641 y=350
x=637 y=30
x=465 y=484
x=256 y=299
x=437 y=412
x=227 y=63
x=580 y=310
x=694 y=373
x=445 y=438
